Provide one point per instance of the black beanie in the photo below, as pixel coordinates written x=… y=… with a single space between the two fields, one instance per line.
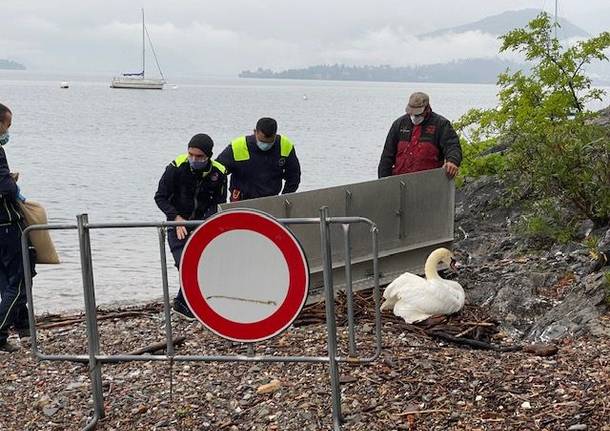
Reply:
x=203 y=142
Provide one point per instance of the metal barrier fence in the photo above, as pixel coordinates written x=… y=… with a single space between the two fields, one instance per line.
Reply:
x=95 y=358
x=413 y=212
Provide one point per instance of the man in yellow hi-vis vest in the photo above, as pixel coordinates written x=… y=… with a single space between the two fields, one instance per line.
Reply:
x=260 y=164
x=191 y=188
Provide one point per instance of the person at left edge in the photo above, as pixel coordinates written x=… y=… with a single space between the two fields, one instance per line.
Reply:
x=190 y=189
x=13 y=308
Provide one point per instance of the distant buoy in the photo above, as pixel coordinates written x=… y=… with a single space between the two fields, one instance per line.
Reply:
x=174 y=87
x=64 y=84
x=304 y=96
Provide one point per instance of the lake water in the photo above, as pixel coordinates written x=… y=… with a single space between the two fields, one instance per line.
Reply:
x=96 y=150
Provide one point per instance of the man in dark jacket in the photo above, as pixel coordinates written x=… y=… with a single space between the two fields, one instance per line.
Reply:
x=258 y=163
x=420 y=140
x=13 y=309
x=190 y=189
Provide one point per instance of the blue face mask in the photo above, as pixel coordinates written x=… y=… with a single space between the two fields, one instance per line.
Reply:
x=264 y=146
x=198 y=165
x=4 y=138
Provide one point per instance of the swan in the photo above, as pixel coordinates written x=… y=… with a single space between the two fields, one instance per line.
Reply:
x=415 y=298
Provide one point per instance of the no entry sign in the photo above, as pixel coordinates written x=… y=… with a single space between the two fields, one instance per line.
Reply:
x=244 y=275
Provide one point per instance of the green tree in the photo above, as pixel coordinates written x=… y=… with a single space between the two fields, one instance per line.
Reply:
x=554 y=150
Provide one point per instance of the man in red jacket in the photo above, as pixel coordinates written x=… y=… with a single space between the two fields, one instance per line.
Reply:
x=420 y=140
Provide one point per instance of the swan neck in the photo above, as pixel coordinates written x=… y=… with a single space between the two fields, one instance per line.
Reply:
x=431 y=267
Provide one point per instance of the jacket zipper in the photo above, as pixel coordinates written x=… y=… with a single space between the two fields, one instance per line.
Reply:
x=196 y=200
x=10 y=218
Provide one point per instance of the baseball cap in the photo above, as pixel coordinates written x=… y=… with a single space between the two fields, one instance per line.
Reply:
x=417 y=103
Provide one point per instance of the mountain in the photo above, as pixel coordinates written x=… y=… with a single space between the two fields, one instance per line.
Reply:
x=11 y=65
x=476 y=70
x=507 y=21
x=471 y=70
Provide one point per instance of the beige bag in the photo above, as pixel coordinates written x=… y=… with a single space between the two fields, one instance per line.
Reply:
x=34 y=213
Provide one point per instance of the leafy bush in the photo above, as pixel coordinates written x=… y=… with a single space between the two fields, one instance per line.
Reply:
x=545 y=137
x=540 y=222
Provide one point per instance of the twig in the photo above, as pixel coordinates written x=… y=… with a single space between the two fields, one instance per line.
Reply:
x=478 y=323
x=236 y=298
x=416 y=412
x=466 y=331
x=69 y=322
x=157 y=346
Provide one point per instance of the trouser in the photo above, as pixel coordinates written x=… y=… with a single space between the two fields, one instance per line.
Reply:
x=13 y=309
x=176 y=246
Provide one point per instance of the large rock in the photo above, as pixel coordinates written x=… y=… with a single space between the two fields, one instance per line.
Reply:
x=537 y=294
x=584 y=304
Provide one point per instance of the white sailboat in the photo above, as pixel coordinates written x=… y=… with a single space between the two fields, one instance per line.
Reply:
x=139 y=80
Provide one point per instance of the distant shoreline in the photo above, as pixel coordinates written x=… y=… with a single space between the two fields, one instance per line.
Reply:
x=11 y=65
x=468 y=71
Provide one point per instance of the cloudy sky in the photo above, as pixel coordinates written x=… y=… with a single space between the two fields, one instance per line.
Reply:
x=223 y=37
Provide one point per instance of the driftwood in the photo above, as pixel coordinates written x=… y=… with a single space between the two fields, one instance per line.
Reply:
x=81 y=319
x=157 y=346
x=472 y=343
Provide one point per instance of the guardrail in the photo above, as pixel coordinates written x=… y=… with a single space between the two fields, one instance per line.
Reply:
x=95 y=358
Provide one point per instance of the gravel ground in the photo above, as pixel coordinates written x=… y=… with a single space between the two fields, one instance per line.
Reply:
x=419 y=383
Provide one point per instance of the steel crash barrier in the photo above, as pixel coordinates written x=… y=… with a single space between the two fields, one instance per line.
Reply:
x=326 y=231
x=413 y=212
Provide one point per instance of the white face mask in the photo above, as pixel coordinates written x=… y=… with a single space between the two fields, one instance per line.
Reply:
x=417 y=119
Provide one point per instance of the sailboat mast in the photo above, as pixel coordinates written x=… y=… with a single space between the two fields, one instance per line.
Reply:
x=556 y=19
x=143 y=46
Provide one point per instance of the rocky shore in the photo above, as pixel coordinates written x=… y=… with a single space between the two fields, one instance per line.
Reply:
x=517 y=293
x=539 y=290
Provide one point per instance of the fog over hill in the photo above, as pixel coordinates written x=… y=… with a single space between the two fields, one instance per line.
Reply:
x=475 y=66
x=504 y=22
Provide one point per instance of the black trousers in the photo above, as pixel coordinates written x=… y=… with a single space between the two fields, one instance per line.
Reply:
x=176 y=246
x=13 y=308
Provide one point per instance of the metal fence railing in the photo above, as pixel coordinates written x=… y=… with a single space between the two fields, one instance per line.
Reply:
x=95 y=358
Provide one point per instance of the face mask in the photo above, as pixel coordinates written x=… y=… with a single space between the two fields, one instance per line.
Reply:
x=198 y=165
x=4 y=137
x=417 y=119
x=264 y=146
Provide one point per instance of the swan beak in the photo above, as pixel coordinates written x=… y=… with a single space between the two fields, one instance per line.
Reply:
x=454 y=265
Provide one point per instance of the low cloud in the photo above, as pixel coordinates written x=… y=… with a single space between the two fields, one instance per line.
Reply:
x=223 y=37
x=398 y=48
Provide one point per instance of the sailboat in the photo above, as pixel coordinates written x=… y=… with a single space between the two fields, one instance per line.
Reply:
x=139 y=80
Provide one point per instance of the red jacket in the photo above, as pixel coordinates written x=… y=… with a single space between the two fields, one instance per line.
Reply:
x=410 y=148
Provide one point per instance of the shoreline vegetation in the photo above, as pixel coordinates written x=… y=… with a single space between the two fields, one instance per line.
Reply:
x=469 y=71
x=11 y=65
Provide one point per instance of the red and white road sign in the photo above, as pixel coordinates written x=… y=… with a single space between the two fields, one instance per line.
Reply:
x=244 y=275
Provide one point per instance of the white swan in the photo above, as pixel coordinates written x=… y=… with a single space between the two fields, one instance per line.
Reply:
x=415 y=298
